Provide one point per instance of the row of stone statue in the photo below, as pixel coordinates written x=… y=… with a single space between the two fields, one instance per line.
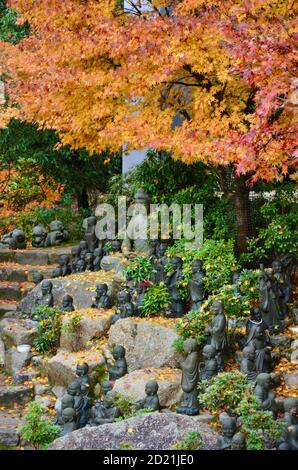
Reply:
x=16 y=239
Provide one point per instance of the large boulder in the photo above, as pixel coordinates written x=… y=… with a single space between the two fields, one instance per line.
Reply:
x=132 y=385
x=15 y=361
x=93 y=323
x=61 y=369
x=148 y=344
x=16 y=331
x=80 y=286
x=152 y=431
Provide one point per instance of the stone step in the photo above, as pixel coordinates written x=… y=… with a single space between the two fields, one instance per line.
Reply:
x=10 y=394
x=7 y=307
x=13 y=272
x=14 y=290
x=34 y=256
x=9 y=425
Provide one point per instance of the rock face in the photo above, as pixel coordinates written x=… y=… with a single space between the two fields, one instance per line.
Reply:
x=15 y=331
x=152 y=431
x=132 y=385
x=9 y=425
x=291 y=380
x=61 y=368
x=15 y=394
x=15 y=361
x=80 y=286
x=147 y=344
x=93 y=324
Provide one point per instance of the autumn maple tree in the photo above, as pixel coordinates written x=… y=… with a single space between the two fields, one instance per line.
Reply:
x=208 y=80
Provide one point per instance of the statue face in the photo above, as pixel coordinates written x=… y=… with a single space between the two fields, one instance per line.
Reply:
x=101 y=290
x=162 y=249
x=67 y=402
x=276 y=267
x=151 y=388
x=197 y=266
x=46 y=288
x=228 y=429
x=81 y=370
x=73 y=389
x=216 y=308
x=68 y=415
x=118 y=353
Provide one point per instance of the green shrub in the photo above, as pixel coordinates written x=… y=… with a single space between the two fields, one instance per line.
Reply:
x=48 y=329
x=260 y=429
x=226 y=390
x=156 y=300
x=127 y=407
x=72 y=325
x=38 y=430
x=193 y=325
x=191 y=441
x=139 y=269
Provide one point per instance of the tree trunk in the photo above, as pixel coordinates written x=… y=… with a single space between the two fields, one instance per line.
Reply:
x=243 y=214
x=82 y=198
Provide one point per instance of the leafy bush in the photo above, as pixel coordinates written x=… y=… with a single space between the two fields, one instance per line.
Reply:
x=191 y=441
x=156 y=300
x=193 y=325
x=260 y=429
x=139 y=269
x=126 y=406
x=226 y=390
x=72 y=325
x=38 y=430
x=48 y=329
x=248 y=284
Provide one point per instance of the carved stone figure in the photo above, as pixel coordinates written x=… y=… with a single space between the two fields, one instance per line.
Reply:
x=160 y=264
x=228 y=425
x=209 y=368
x=269 y=295
x=255 y=320
x=291 y=442
x=69 y=421
x=238 y=441
x=57 y=234
x=196 y=285
x=84 y=249
x=190 y=378
x=247 y=365
x=89 y=261
x=137 y=239
x=125 y=307
x=75 y=256
x=67 y=304
x=285 y=287
x=235 y=279
x=57 y=272
x=102 y=299
x=264 y=395
x=74 y=390
x=80 y=266
x=290 y=419
x=67 y=401
x=104 y=411
x=89 y=233
x=217 y=331
x=137 y=299
x=98 y=255
x=14 y=240
x=119 y=368
x=151 y=400
x=258 y=340
x=84 y=381
x=37 y=277
x=172 y=281
x=39 y=236
x=45 y=297
x=64 y=265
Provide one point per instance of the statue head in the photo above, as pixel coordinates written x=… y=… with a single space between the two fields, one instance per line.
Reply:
x=67 y=300
x=18 y=235
x=255 y=314
x=89 y=258
x=176 y=262
x=228 y=425
x=209 y=352
x=80 y=265
x=83 y=245
x=82 y=369
x=276 y=266
x=98 y=252
x=151 y=388
x=75 y=251
x=57 y=272
x=68 y=415
x=248 y=353
x=56 y=226
x=291 y=406
x=63 y=260
x=162 y=249
x=106 y=387
x=74 y=389
x=118 y=352
x=217 y=307
x=124 y=296
x=190 y=345
x=39 y=232
x=46 y=287
x=238 y=441
x=141 y=197
x=101 y=289
x=197 y=265
x=264 y=380
x=67 y=401
x=37 y=277
x=91 y=221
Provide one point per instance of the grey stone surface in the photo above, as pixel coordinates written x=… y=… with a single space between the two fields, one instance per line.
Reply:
x=15 y=361
x=291 y=380
x=15 y=394
x=16 y=331
x=41 y=389
x=132 y=385
x=9 y=424
x=2 y=353
x=294 y=345
x=280 y=340
x=112 y=263
x=6 y=307
x=10 y=291
x=294 y=356
x=147 y=344
x=152 y=431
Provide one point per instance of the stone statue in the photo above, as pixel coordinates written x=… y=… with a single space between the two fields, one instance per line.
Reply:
x=80 y=266
x=290 y=419
x=67 y=304
x=84 y=381
x=119 y=368
x=291 y=442
x=255 y=320
x=247 y=365
x=172 y=281
x=57 y=272
x=57 y=234
x=160 y=264
x=84 y=249
x=67 y=401
x=209 y=368
x=151 y=400
x=238 y=442
x=37 y=277
x=64 y=265
x=269 y=295
x=137 y=239
x=89 y=261
x=102 y=299
x=137 y=299
x=90 y=237
x=264 y=395
x=75 y=256
x=285 y=287
x=69 y=421
x=39 y=236
x=258 y=340
x=235 y=279
x=125 y=307
x=45 y=297
x=82 y=376
x=196 y=285
x=98 y=255
x=14 y=240
x=228 y=425
x=217 y=331
x=104 y=411
x=74 y=390
x=190 y=378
